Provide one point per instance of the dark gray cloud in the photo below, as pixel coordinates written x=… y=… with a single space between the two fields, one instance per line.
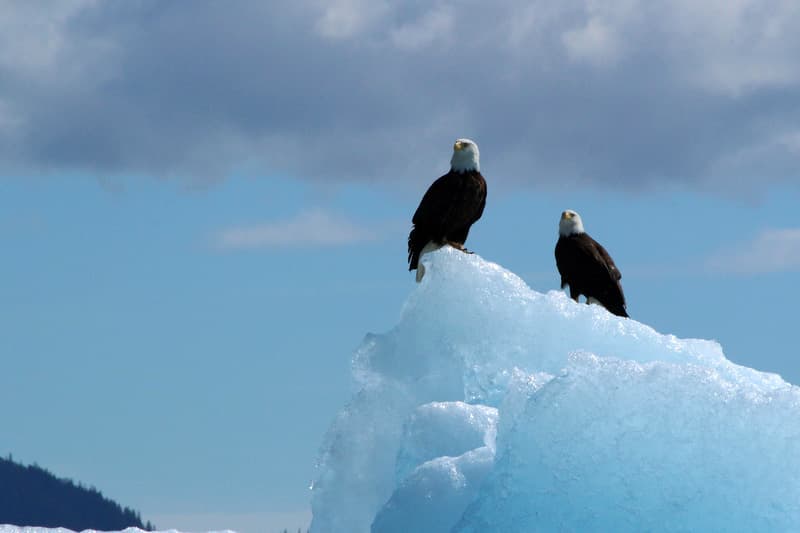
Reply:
x=630 y=93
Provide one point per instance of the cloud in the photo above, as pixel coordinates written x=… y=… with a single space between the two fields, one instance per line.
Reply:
x=622 y=93
x=774 y=250
x=342 y=19
x=595 y=43
x=307 y=229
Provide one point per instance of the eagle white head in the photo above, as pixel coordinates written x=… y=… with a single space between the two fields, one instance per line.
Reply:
x=570 y=224
x=465 y=156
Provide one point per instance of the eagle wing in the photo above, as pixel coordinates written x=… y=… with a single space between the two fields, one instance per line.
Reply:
x=595 y=260
x=446 y=212
x=585 y=261
x=562 y=261
x=452 y=202
x=608 y=276
x=579 y=259
x=435 y=204
x=602 y=255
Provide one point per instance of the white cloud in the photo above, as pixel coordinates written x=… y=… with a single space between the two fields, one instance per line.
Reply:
x=31 y=36
x=774 y=250
x=306 y=229
x=342 y=19
x=596 y=43
x=736 y=46
x=36 y=43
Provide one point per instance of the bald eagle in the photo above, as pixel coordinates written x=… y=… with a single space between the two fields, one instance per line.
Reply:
x=450 y=207
x=586 y=267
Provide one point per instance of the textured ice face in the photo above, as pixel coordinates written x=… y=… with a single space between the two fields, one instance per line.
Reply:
x=615 y=445
x=446 y=451
x=492 y=407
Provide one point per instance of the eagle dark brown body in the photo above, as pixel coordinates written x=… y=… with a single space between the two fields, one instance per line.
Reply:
x=447 y=211
x=588 y=269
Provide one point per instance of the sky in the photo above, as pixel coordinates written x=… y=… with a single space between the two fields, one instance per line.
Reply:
x=204 y=208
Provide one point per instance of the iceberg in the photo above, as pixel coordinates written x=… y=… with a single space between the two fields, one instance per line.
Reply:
x=493 y=407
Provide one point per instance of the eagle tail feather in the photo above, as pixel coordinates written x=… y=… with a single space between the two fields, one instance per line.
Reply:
x=416 y=242
x=618 y=310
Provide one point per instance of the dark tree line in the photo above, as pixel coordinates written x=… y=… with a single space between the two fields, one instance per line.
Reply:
x=32 y=496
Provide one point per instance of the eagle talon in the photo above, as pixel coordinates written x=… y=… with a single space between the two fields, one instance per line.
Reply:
x=460 y=247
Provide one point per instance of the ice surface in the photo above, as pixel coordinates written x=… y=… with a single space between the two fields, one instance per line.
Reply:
x=492 y=407
x=444 y=429
x=446 y=451
x=615 y=445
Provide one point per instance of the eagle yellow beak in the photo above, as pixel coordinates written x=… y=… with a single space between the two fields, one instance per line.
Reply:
x=458 y=145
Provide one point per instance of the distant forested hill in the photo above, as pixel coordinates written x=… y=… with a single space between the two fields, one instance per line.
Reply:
x=32 y=496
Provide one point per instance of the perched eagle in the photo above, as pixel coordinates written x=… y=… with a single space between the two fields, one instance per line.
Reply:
x=451 y=205
x=586 y=267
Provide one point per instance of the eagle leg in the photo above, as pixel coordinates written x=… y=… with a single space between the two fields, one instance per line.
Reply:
x=459 y=246
x=574 y=294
